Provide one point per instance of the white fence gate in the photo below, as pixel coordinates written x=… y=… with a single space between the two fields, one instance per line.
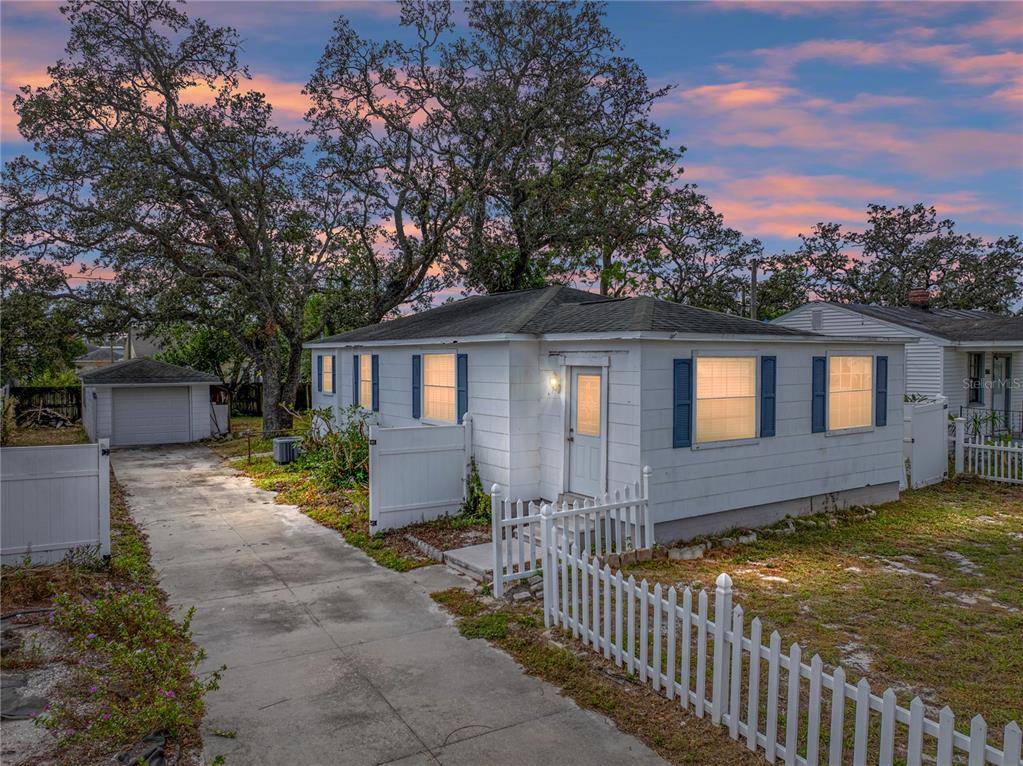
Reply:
x=925 y=441
x=619 y=522
x=417 y=473
x=761 y=695
x=54 y=499
x=992 y=459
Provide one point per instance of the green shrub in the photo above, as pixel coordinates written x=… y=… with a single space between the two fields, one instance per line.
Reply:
x=337 y=451
x=476 y=507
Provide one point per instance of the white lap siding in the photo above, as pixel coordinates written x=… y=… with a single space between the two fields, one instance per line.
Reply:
x=923 y=358
x=790 y=466
x=488 y=395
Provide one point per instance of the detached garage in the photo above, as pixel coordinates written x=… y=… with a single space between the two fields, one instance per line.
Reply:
x=143 y=401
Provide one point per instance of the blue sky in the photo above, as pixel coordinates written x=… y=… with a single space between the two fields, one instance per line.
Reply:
x=792 y=112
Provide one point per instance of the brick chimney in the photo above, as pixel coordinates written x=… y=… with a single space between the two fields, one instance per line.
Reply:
x=919 y=298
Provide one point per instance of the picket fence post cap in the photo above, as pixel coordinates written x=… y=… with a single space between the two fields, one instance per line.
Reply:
x=724 y=581
x=647 y=470
x=495 y=489
x=545 y=509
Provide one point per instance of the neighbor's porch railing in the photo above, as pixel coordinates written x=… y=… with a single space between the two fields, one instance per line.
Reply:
x=995 y=459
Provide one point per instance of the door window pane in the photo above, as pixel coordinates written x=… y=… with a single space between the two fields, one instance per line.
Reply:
x=850 y=380
x=587 y=405
x=439 y=387
x=726 y=398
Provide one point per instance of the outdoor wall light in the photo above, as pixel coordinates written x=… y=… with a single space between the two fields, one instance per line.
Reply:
x=554 y=382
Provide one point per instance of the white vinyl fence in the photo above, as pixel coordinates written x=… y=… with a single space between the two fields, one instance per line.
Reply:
x=54 y=499
x=925 y=441
x=761 y=695
x=987 y=458
x=615 y=523
x=418 y=473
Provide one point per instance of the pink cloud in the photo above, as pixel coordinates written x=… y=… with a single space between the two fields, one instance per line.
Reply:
x=1004 y=25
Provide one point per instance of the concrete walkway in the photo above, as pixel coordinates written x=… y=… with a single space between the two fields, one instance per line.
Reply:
x=331 y=658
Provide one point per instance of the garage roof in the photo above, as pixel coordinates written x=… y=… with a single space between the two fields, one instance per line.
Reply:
x=145 y=371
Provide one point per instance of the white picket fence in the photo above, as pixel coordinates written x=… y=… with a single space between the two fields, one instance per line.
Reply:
x=673 y=645
x=614 y=523
x=987 y=459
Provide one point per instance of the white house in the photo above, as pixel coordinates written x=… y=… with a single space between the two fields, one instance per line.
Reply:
x=142 y=401
x=974 y=358
x=742 y=422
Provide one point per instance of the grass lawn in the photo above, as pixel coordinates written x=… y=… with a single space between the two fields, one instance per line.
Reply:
x=126 y=667
x=239 y=443
x=33 y=437
x=926 y=597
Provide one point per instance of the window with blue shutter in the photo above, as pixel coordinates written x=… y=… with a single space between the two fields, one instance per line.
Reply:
x=333 y=374
x=355 y=380
x=768 y=396
x=819 y=395
x=375 y=367
x=319 y=373
x=462 y=385
x=417 y=385
x=881 y=391
x=682 y=389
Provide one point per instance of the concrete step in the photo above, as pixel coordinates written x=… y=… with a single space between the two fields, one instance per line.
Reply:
x=475 y=561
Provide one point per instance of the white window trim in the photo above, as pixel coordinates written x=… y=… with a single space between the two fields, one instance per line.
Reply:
x=422 y=392
x=873 y=395
x=696 y=446
x=324 y=377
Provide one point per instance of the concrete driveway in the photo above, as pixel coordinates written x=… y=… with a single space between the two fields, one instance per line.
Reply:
x=332 y=659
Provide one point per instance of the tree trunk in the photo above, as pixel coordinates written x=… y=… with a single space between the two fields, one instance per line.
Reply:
x=605 y=269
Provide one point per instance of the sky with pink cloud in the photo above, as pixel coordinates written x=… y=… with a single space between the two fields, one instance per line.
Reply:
x=791 y=112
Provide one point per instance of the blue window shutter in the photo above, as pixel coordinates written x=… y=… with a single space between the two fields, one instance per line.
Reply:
x=768 y=397
x=682 y=431
x=881 y=392
x=374 y=363
x=355 y=380
x=417 y=385
x=463 y=385
x=319 y=373
x=819 y=395
x=333 y=374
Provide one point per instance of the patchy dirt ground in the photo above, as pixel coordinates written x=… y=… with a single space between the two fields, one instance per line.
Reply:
x=925 y=597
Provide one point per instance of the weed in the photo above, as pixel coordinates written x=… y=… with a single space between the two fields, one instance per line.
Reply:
x=225 y=733
x=492 y=627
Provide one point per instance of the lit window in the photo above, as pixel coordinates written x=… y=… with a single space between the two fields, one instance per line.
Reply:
x=850 y=380
x=439 y=387
x=327 y=375
x=726 y=398
x=366 y=380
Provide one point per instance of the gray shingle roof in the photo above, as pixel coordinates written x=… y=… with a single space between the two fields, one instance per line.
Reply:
x=556 y=309
x=145 y=370
x=102 y=354
x=953 y=324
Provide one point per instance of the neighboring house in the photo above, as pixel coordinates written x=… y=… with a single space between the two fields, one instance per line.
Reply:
x=139 y=346
x=974 y=358
x=98 y=356
x=143 y=401
x=742 y=422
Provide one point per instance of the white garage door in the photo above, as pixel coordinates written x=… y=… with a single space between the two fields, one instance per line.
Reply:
x=151 y=415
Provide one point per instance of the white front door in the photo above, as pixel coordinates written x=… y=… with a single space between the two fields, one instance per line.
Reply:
x=586 y=432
